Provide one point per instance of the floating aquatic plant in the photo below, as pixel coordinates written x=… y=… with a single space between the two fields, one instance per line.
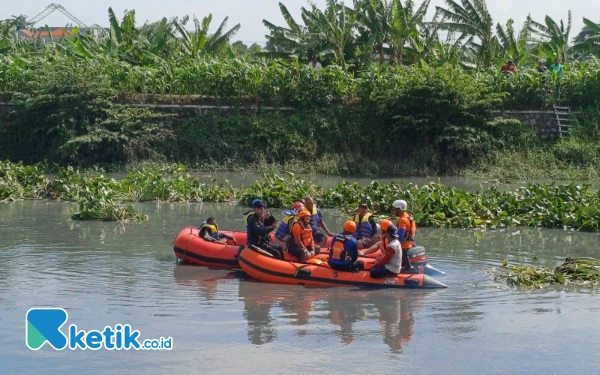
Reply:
x=579 y=271
x=433 y=204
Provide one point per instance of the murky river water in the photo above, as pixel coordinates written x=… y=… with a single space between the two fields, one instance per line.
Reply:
x=104 y=274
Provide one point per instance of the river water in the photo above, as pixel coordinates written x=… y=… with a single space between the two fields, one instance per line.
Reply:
x=105 y=274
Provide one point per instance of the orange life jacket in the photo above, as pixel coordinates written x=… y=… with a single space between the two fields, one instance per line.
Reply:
x=306 y=237
x=337 y=251
x=407 y=222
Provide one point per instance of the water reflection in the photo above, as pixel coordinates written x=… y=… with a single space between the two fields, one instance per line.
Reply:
x=271 y=309
x=257 y=313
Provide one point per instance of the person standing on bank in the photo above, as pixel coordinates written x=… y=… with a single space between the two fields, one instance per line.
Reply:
x=316 y=222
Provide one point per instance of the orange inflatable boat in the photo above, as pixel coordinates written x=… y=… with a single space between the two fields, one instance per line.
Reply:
x=261 y=266
x=192 y=249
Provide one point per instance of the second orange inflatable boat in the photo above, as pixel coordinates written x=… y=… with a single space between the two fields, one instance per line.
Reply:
x=260 y=266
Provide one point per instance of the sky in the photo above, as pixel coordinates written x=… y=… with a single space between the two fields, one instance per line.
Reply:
x=250 y=13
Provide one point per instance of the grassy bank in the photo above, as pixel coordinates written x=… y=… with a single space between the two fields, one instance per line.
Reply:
x=399 y=121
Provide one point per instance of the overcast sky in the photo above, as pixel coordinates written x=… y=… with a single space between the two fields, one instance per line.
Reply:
x=250 y=13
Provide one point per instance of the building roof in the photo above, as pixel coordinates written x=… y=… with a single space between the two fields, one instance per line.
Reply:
x=57 y=32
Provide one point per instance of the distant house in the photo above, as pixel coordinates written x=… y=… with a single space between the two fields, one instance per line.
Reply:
x=57 y=33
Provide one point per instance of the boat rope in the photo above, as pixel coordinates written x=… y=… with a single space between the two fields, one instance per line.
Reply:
x=186 y=246
x=299 y=268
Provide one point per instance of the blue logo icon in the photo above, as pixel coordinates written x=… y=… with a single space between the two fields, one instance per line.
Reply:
x=43 y=326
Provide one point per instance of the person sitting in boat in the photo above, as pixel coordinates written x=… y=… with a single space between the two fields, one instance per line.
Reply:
x=366 y=228
x=390 y=262
x=259 y=223
x=379 y=245
x=343 y=255
x=407 y=228
x=209 y=231
x=284 y=229
x=317 y=224
x=301 y=244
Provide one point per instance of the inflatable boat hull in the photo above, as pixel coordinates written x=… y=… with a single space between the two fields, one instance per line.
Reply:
x=259 y=266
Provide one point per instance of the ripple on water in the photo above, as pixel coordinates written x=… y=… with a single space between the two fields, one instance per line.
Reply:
x=223 y=322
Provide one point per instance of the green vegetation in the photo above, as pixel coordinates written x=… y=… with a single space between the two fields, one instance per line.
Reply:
x=434 y=205
x=393 y=96
x=579 y=271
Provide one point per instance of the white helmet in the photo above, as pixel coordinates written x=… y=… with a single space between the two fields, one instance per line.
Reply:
x=400 y=204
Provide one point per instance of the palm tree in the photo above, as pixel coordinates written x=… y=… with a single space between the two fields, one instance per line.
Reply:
x=20 y=22
x=590 y=43
x=555 y=39
x=199 y=42
x=474 y=19
x=513 y=45
x=405 y=26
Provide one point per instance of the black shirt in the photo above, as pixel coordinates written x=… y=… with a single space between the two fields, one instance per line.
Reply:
x=258 y=230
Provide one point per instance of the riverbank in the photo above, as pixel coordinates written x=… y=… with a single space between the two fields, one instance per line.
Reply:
x=401 y=121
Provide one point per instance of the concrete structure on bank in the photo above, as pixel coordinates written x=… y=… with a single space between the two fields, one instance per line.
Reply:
x=543 y=121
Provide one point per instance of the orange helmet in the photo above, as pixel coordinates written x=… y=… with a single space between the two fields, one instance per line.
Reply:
x=299 y=206
x=384 y=224
x=303 y=214
x=350 y=226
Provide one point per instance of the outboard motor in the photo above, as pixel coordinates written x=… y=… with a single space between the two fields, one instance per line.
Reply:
x=418 y=262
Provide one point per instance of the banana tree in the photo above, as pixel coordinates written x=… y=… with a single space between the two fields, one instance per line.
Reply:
x=555 y=38
x=591 y=42
x=335 y=26
x=284 y=42
x=405 y=26
x=160 y=37
x=200 y=43
x=471 y=18
x=513 y=45
x=452 y=51
x=9 y=36
x=374 y=22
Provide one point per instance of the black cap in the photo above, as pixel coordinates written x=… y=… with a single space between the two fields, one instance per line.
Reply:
x=392 y=231
x=364 y=205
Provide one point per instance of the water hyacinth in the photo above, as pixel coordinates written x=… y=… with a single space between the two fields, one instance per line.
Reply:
x=433 y=205
x=580 y=271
